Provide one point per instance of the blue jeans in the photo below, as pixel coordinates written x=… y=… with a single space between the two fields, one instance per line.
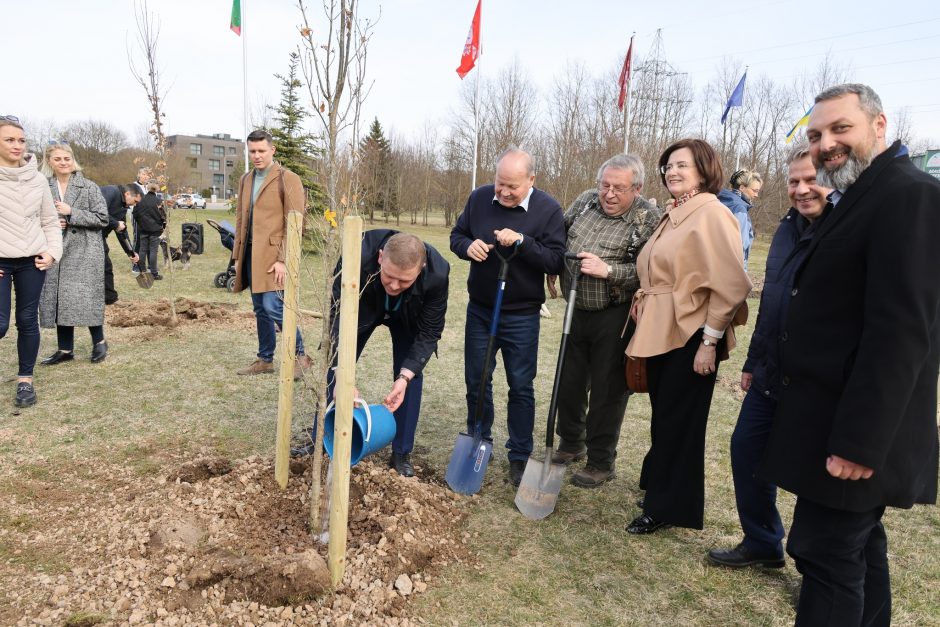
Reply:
x=21 y=274
x=756 y=499
x=406 y=416
x=517 y=337
x=269 y=310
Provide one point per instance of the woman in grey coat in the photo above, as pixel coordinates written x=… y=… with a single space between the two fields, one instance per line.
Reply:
x=73 y=295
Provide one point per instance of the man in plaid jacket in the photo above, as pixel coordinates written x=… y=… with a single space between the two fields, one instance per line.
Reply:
x=607 y=227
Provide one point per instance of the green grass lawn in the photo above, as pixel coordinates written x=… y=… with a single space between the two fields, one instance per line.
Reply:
x=163 y=393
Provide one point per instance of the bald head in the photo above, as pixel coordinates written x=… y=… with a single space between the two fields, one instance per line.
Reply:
x=514 y=177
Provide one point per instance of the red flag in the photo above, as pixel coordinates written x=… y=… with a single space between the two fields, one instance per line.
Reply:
x=625 y=76
x=471 y=50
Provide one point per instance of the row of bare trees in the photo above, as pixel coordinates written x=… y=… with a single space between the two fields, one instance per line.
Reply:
x=574 y=125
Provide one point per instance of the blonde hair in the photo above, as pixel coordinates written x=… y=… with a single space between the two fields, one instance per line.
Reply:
x=47 y=169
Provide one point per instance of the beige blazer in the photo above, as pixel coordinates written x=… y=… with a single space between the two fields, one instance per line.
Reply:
x=691 y=273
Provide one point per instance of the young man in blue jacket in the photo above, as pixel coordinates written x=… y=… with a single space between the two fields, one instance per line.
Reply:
x=404 y=285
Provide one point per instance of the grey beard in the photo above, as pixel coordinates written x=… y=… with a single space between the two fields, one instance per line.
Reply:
x=845 y=175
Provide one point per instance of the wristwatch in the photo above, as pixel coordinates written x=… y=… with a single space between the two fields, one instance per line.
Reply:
x=709 y=342
x=403 y=377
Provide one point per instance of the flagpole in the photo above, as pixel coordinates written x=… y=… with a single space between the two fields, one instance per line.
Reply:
x=626 y=109
x=476 y=106
x=476 y=124
x=244 y=38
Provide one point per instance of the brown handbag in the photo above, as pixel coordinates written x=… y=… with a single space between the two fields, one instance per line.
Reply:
x=636 y=375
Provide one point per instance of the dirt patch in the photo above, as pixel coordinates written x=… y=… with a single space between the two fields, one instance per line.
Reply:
x=201 y=469
x=732 y=383
x=158 y=313
x=211 y=541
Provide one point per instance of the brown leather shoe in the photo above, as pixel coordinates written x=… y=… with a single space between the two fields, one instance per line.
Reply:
x=258 y=366
x=591 y=477
x=564 y=457
x=303 y=363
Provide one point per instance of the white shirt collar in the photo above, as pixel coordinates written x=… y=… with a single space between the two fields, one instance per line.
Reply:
x=525 y=201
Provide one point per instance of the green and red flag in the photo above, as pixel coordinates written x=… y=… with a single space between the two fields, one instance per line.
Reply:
x=236 y=23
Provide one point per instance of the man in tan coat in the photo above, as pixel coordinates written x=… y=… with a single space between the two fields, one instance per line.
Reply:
x=265 y=196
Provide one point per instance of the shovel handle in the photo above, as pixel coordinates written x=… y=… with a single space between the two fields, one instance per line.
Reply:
x=559 y=367
x=494 y=323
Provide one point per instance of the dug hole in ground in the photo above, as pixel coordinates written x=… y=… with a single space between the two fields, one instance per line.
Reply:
x=213 y=540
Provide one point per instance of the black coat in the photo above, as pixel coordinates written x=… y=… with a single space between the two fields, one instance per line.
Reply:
x=117 y=212
x=859 y=367
x=423 y=306
x=787 y=251
x=149 y=215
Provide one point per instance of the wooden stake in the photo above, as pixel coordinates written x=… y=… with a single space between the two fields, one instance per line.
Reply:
x=345 y=384
x=285 y=400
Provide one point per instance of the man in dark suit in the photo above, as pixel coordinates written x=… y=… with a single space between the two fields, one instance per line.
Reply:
x=119 y=198
x=404 y=287
x=855 y=428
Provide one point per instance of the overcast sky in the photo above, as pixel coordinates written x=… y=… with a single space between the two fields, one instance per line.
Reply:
x=68 y=61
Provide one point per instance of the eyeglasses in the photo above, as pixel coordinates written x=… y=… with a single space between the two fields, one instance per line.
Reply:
x=682 y=165
x=57 y=142
x=618 y=190
x=10 y=118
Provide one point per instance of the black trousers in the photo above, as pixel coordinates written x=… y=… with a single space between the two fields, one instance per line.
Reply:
x=110 y=294
x=673 y=472
x=843 y=557
x=592 y=394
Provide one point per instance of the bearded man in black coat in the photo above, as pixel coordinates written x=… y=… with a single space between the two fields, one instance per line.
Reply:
x=855 y=429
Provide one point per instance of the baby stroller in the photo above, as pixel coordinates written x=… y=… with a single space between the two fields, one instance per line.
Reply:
x=227 y=236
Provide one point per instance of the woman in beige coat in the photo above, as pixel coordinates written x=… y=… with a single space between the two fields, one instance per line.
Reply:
x=30 y=242
x=692 y=288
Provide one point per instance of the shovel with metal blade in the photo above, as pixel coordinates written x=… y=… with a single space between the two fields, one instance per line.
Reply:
x=541 y=481
x=145 y=280
x=472 y=451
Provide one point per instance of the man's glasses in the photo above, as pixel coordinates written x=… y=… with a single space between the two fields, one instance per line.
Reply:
x=10 y=118
x=682 y=165
x=619 y=190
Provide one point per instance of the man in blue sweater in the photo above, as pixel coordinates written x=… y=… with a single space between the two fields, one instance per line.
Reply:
x=509 y=213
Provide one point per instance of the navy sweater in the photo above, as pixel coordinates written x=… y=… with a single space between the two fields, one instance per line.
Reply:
x=541 y=252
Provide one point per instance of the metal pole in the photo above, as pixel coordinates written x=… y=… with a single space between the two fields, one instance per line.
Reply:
x=245 y=77
x=626 y=108
x=476 y=114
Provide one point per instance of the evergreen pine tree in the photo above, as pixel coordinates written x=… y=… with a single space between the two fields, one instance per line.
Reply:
x=297 y=150
x=377 y=174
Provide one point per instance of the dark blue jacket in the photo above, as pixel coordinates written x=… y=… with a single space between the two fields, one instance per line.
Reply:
x=421 y=310
x=117 y=212
x=542 y=250
x=787 y=251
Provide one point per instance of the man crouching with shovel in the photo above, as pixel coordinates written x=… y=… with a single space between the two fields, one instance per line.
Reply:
x=404 y=287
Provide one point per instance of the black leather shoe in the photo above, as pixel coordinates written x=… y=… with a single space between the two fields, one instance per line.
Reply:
x=158 y=277
x=57 y=358
x=516 y=470
x=401 y=462
x=25 y=394
x=644 y=523
x=99 y=351
x=741 y=556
